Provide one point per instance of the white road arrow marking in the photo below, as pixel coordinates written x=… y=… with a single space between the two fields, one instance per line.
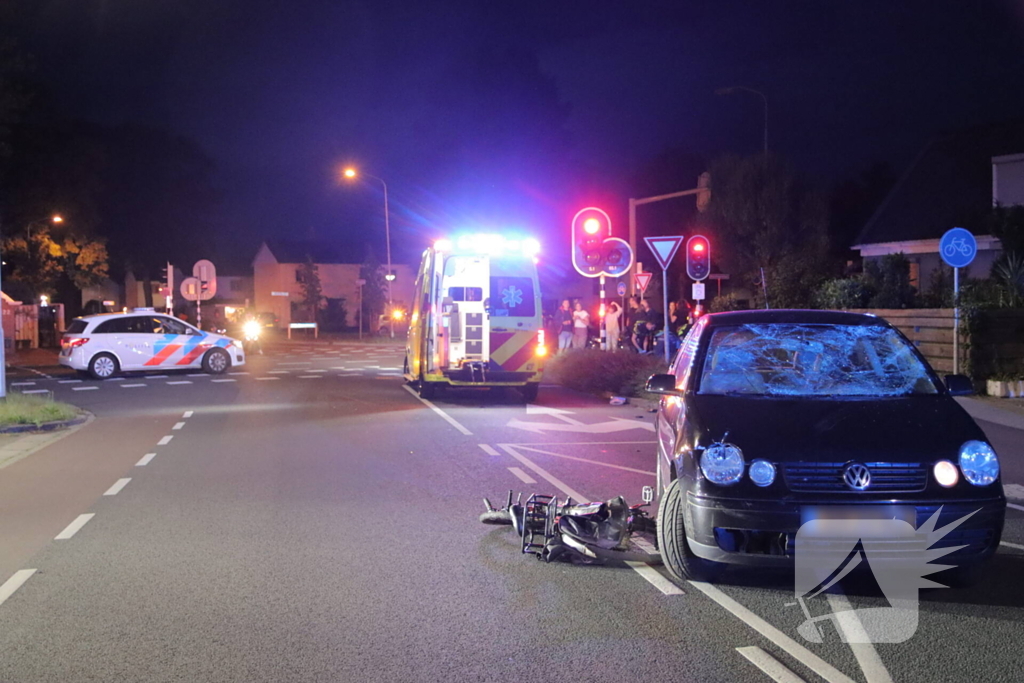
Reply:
x=616 y=424
x=553 y=412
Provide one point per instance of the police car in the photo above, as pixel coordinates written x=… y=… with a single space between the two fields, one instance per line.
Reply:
x=144 y=340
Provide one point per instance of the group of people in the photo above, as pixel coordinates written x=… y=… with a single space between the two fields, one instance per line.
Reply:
x=638 y=325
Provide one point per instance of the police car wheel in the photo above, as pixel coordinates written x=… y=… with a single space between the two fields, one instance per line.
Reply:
x=103 y=366
x=216 y=361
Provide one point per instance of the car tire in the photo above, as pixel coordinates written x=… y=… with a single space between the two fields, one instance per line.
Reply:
x=530 y=392
x=216 y=361
x=680 y=561
x=103 y=366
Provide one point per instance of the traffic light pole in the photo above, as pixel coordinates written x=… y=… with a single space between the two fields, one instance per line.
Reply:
x=633 y=203
x=603 y=311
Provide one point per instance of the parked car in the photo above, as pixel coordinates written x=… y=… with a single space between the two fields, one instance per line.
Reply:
x=104 y=345
x=769 y=418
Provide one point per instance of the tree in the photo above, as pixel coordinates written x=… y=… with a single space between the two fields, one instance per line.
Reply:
x=374 y=291
x=312 y=290
x=57 y=261
x=761 y=217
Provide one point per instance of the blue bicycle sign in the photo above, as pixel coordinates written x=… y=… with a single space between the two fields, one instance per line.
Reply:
x=958 y=247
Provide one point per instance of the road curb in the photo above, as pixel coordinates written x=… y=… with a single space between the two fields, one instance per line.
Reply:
x=982 y=410
x=47 y=426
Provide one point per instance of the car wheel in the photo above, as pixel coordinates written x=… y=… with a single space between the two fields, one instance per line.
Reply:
x=530 y=392
x=216 y=361
x=103 y=366
x=680 y=561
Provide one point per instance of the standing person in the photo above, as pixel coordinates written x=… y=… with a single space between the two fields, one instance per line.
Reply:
x=611 y=325
x=629 y=318
x=580 y=327
x=564 y=319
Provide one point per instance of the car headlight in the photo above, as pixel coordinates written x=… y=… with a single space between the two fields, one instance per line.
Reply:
x=762 y=472
x=945 y=473
x=722 y=464
x=979 y=463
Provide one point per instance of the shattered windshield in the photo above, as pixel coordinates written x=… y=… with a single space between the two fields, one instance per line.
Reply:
x=786 y=359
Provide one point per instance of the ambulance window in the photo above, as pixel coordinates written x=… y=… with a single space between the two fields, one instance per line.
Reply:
x=512 y=297
x=466 y=293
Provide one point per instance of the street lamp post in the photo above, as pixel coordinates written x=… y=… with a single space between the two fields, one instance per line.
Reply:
x=351 y=173
x=737 y=88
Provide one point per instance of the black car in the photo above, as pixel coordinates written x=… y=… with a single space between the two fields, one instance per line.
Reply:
x=771 y=417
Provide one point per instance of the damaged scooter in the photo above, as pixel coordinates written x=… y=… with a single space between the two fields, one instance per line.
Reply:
x=582 y=533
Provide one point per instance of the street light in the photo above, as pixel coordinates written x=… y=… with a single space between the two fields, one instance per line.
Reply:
x=55 y=219
x=351 y=173
x=731 y=90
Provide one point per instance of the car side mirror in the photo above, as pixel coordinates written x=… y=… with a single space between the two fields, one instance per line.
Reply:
x=662 y=384
x=959 y=385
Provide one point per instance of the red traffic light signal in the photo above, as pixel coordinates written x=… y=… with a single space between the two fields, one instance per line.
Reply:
x=698 y=257
x=590 y=228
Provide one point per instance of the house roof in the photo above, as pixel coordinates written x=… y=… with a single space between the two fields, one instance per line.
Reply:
x=297 y=251
x=948 y=185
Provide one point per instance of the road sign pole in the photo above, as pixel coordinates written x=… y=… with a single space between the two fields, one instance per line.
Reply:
x=956 y=321
x=602 y=311
x=664 y=297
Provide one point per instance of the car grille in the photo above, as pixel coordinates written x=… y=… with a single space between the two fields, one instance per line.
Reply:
x=827 y=477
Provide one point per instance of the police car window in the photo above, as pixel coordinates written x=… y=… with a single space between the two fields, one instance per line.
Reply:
x=76 y=327
x=142 y=324
x=171 y=326
x=466 y=293
x=113 y=326
x=512 y=297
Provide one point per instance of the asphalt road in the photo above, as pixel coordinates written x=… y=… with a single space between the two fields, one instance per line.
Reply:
x=313 y=520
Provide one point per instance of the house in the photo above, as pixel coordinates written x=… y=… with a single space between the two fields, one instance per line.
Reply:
x=277 y=273
x=954 y=182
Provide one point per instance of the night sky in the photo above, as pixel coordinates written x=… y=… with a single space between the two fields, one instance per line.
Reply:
x=514 y=114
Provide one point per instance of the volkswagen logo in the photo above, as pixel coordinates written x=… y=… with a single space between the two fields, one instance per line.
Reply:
x=857 y=476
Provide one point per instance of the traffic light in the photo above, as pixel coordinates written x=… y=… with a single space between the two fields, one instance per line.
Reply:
x=698 y=257
x=590 y=228
x=594 y=251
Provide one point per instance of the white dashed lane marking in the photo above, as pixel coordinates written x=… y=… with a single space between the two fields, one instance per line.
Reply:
x=180 y=381
x=165 y=440
x=22 y=384
x=69 y=381
x=131 y=386
x=73 y=528
x=145 y=459
x=84 y=388
x=311 y=377
x=523 y=476
x=36 y=391
x=188 y=414
x=488 y=449
x=775 y=669
x=118 y=485
x=221 y=381
x=14 y=583
x=178 y=425
x=266 y=378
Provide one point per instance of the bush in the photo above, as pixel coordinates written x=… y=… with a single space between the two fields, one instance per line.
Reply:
x=889 y=278
x=726 y=302
x=844 y=293
x=600 y=372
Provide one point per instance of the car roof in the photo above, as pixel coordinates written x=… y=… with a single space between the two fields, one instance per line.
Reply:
x=117 y=314
x=785 y=315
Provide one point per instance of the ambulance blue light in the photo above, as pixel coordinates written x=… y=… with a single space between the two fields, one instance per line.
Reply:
x=494 y=245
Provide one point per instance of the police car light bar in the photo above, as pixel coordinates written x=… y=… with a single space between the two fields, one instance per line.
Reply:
x=495 y=245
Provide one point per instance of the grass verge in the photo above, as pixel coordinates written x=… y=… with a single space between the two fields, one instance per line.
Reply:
x=601 y=372
x=19 y=409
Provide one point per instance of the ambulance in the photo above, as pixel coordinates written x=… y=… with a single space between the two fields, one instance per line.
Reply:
x=476 y=319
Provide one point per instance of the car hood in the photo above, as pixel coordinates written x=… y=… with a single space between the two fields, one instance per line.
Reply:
x=904 y=429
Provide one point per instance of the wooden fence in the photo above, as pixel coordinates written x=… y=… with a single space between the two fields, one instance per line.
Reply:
x=995 y=347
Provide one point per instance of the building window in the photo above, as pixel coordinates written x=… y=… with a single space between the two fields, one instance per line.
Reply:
x=298 y=275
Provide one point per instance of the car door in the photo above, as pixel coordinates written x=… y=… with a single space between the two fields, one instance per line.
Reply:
x=136 y=341
x=171 y=341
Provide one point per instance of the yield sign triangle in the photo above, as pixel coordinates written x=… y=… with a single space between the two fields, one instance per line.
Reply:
x=642 y=280
x=664 y=248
